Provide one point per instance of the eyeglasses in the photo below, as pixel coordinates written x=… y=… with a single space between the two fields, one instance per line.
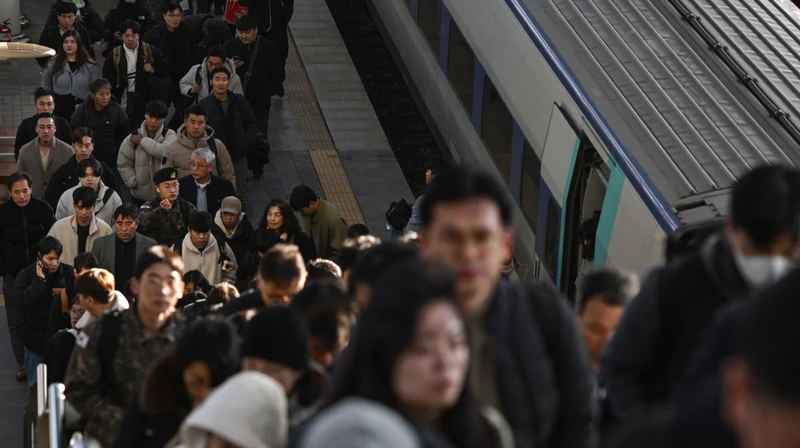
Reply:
x=199 y=165
x=124 y=224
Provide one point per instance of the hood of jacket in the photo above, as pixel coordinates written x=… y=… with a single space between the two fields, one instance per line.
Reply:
x=718 y=259
x=194 y=143
x=247 y=410
x=221 y=225
x=227 y=64
x=118 y=303
x=211 y=247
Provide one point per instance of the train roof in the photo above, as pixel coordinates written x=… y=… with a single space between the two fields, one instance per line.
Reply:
x=699 y=91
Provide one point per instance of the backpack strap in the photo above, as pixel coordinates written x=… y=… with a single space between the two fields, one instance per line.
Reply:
x=110 y=331
x=116 y=55
x=212 y=145
x=64 y=302
x=164 y=130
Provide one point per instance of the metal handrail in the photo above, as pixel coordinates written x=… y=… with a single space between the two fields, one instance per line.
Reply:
x=41 y=389
x=56 y=402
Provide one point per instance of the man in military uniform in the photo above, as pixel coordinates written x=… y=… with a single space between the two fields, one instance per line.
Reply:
x=164 y=218
x=112 y=354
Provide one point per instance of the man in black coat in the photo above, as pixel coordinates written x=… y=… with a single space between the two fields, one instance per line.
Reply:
x=43 y=102
x=106 y=118
x=34 y=290
x=66 y=176
x=24 y=220
x=51 y=35
x=529 y=359
x=273 y=20
x=664 y=325
x=267 y=74
x=173 y=38
x=202 y=188
x=136 y=84
x=125 y=10
x=85 y=15
x=234 y=122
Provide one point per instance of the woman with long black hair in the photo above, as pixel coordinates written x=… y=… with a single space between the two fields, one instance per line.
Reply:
x=69 y=74
x=278 y=216
x=410 y=352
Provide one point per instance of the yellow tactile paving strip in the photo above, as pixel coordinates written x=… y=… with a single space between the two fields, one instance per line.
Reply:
x=330 y=171
x=2 y=301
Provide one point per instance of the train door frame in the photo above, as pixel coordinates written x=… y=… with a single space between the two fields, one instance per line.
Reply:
x=587 y=162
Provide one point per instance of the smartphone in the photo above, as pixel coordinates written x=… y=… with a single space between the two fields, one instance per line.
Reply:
x=135 y=132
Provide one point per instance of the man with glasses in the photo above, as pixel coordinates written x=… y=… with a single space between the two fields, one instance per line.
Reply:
x=118 y=252
x=110 y=358
x=164 y=218
x=42 y=157
x=173 y=38
x=202 y=188
x=43 y=101
x=78 y=232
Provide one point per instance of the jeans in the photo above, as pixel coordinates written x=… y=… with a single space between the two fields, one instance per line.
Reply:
x=32 y=361
x=14 y=318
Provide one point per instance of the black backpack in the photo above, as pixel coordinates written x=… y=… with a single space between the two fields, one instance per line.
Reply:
x=398 y=214
x=689 y=238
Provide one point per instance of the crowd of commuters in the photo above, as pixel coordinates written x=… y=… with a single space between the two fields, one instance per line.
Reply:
x=131 y=269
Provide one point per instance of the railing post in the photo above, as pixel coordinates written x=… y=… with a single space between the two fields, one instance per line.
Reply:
x=56 y=402
x=41 y=389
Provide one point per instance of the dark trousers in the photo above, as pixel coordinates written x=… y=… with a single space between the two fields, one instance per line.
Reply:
x=262 y=122
x=14 y=318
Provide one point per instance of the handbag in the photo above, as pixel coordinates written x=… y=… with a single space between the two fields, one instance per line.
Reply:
x=233 y=10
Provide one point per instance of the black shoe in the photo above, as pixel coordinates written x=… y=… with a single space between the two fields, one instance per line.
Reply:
x=281 y=92
x=219 y=12
x=22 y=374
x=258 y=174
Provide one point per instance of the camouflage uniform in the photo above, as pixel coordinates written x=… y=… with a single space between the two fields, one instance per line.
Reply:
x=164 y=226
x=102 y=402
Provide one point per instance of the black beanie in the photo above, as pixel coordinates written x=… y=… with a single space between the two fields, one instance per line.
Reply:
x=277 y=334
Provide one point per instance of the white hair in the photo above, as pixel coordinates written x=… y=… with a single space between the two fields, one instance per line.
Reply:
x=204 y=153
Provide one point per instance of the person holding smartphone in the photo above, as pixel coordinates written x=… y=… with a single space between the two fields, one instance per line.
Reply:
x=33 y=290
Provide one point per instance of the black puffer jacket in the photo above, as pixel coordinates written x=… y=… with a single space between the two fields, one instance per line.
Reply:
x=110 y=127
x=88 y=17
x=664 y=326
x=35 y=296
x=120 y=13
x=177 y=48
x=543 y=378
x=270 y=13
x=267 y=75
x=237 y=128
x=20 y=232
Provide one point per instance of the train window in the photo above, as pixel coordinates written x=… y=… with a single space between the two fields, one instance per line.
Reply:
x=529 y=195
x=430 y=21
x=552 y=235
x=461 y=66
x=497 y=127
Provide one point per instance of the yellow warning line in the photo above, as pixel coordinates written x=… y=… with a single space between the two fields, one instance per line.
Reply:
x=332 y=177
